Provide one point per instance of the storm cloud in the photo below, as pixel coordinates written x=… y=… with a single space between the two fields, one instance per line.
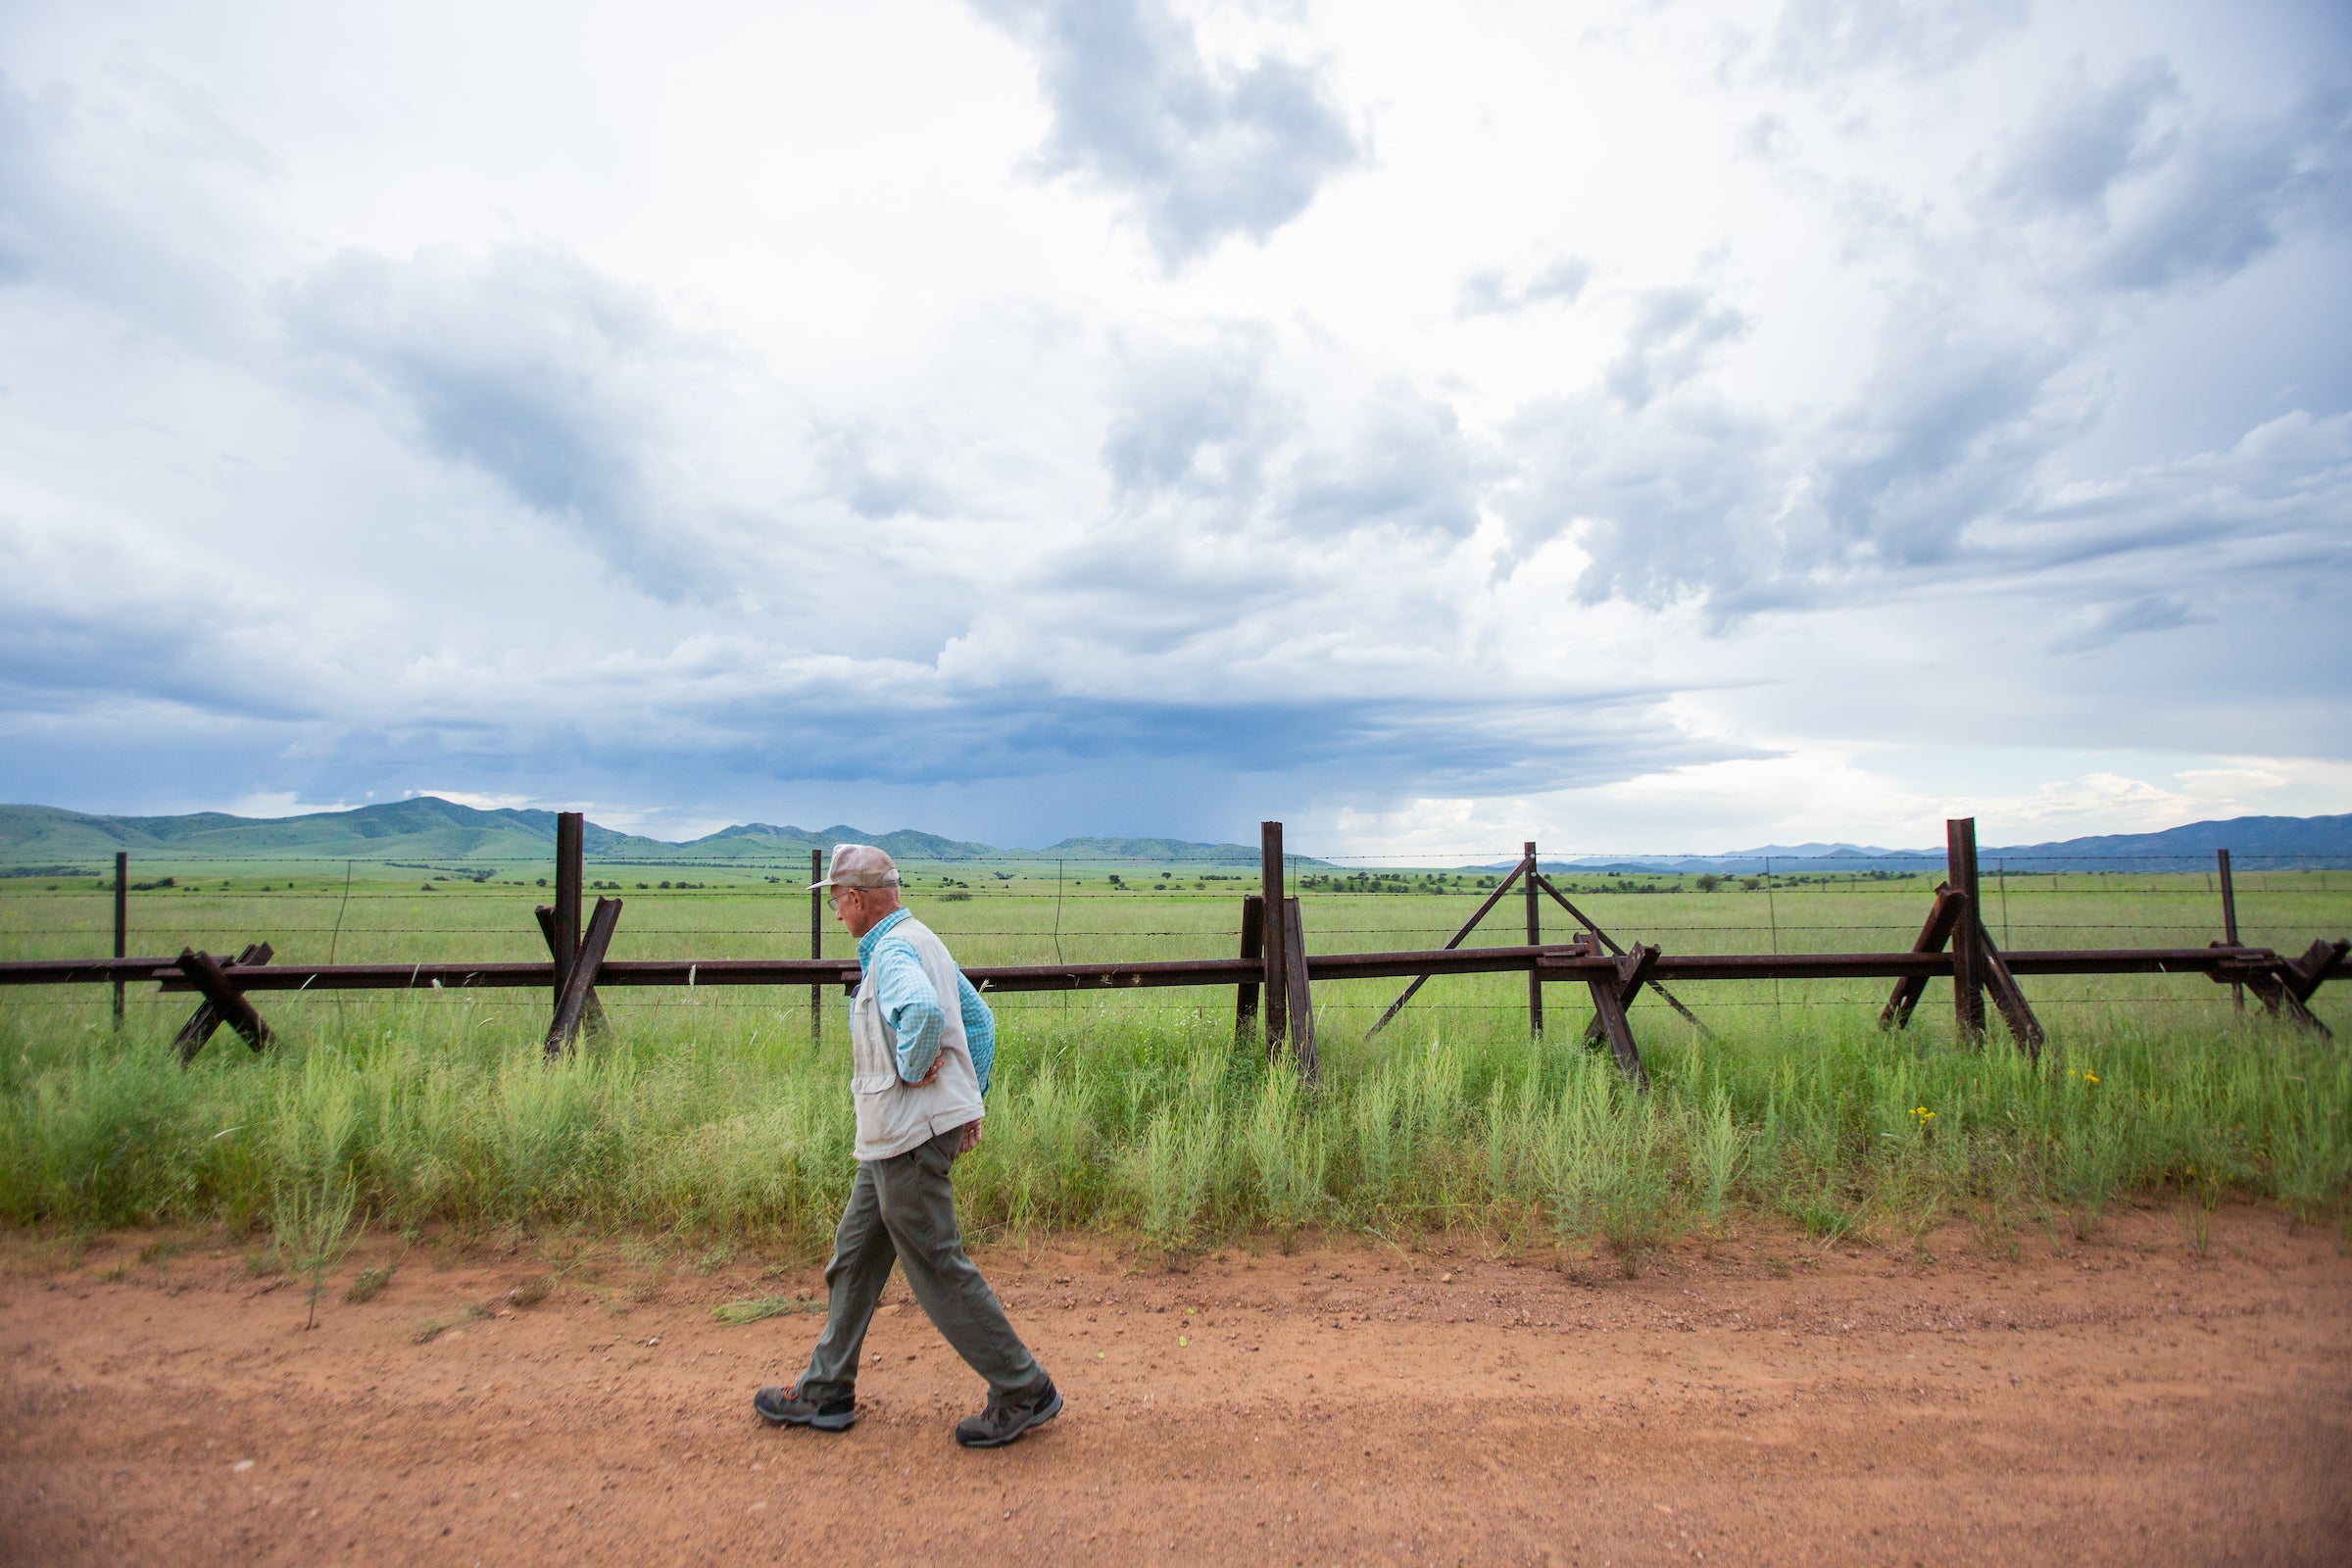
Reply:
x=1046 y=418
x=1205 y=152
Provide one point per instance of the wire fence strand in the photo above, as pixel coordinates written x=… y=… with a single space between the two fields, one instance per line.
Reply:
x=1046 y=910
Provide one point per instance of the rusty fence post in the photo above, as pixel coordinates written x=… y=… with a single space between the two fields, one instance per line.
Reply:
x=1301 y=1000
x=1270 y=893
x=2237 y=992
x=816 y=943
x=593 y=1009
x=1938 y=930
x=1535 y=939
x=1968 y=977
x=566 y=941
x=1612 y=996
x=579 y=977
x=122 y=924
x=1254 y=951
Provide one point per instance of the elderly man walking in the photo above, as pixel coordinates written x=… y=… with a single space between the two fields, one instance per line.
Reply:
x=921 y=1043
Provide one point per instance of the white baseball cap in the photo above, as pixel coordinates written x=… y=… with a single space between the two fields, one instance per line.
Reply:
x=858 y=866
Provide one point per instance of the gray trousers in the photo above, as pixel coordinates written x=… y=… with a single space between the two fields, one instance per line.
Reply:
x=902 y=1210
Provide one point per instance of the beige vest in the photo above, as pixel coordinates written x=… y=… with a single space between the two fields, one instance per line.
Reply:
x=894 y=1115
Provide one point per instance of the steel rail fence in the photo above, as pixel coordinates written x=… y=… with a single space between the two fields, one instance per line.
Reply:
x=1273 y=973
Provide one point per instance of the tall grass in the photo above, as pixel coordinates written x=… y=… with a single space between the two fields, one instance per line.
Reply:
x=1157 y=1125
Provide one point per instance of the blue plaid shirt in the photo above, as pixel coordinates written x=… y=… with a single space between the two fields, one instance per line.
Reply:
x=910 y=1006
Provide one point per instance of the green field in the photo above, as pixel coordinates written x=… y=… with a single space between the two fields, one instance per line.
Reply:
x=714 y=1112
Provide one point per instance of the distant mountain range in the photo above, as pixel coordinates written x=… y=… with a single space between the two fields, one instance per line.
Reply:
x=48 y=840
x=53 y=841
x=2253 y=841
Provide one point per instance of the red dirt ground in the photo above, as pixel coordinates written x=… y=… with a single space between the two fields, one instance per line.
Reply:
x=2117 y=1400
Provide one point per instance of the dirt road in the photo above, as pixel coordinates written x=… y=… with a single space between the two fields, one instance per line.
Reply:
x=2118 y=1400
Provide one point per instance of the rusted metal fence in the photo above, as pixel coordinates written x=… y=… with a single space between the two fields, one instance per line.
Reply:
x=1273 y=974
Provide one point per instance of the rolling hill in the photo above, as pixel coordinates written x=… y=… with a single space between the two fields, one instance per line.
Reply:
x=49 y=839
x=428 y=828
x=2275 y=842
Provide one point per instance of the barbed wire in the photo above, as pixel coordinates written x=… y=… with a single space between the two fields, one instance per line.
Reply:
x=174 y=1006
x=1497 y=938
x=532 y=1016
x=1082 y=947
x=466 y=895
x=1489 y=860
x=499 y=927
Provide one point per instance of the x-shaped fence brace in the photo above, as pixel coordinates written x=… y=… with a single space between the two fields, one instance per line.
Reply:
x=1635 y=968
x=2286 y=987
x=221 y=985
x=1948 y=917
x=1592 y=1029
x=575 y=975
x=592 y=1009
x=224 y=1000
x=1610 y=998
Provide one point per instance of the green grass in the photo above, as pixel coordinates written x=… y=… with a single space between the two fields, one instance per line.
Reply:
x=760 y=1308
x=713 y=1114
x=1164 y=1128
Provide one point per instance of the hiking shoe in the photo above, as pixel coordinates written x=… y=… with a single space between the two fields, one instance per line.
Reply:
x=784 y=1407
x=999 y=1424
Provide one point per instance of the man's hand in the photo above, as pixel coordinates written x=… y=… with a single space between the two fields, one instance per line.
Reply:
x=970 y=1139
x=930 y=1074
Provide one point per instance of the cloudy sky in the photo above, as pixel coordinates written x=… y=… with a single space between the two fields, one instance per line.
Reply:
x=1650 y=426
